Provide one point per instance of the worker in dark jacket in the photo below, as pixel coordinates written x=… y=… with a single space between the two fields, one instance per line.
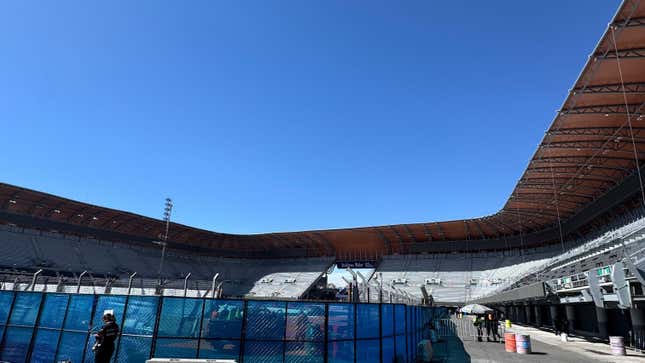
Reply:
x=492 y=327
x=104 y=346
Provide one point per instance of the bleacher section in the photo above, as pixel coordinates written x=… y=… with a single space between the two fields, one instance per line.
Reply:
x=449 y=278
x=603 y=250
x=456 y=278
x=568 y=270
x=31 y=249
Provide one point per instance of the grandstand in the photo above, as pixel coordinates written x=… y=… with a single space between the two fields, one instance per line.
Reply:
x=570 y=241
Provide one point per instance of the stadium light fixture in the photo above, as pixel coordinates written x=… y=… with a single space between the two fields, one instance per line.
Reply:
x=167 y=212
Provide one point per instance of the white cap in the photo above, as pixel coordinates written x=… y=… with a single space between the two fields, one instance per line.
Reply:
x=108 y=312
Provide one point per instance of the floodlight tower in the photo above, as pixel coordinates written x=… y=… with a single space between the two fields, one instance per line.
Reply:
x=167 y=211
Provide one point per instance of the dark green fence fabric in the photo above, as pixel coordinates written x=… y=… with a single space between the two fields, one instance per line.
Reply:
x=52 y=327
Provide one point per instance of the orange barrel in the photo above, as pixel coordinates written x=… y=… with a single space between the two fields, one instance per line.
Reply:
x=523 y=342
x=509 y=342
x=617 y=345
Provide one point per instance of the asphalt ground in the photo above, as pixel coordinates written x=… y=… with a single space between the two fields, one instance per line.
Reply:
x=453 y=350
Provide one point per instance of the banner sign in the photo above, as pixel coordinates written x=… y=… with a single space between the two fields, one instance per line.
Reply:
x=356 y=264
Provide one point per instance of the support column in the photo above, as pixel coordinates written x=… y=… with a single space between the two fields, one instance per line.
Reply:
x=571 y=317
x=529 y=313
x=538 y=315
x=601 y=316
x=553 y=310
x=638 y=326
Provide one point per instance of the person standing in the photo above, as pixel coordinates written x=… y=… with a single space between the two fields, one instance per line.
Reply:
x=104 y=346
x=491 y=327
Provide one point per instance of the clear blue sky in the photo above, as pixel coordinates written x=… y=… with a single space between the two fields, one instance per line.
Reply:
x=263 y=116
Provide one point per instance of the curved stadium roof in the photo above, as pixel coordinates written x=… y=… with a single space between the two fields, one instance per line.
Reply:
x=586 y=153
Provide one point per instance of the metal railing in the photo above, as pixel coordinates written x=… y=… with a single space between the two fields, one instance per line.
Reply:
x=465 y=329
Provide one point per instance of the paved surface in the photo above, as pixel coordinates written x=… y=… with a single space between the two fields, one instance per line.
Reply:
x=453 y=350
x=590 y=351
x=546 y=347
x=494 y=352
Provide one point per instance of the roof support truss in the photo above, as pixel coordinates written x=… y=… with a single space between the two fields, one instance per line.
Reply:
x=623 y=53
x=615 y=88
x=620 y=109
x=427 y=232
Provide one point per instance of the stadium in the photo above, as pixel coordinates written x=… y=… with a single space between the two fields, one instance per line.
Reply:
x=568 y=245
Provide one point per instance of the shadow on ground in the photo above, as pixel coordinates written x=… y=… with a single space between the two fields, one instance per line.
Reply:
x=450 y=350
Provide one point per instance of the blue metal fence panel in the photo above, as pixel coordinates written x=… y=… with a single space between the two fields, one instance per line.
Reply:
x=134 y=349
x=16 y=344
x=25 y=309
x=368 y=351
x=305 y=321
x=6 y=297
x=71 y=347
x=53 y=311
x=176 y=348
x=219 y=349
x=340 y=351
x=180 y=318
x=263 y=352
x=340 y=322
x=223 y=319
x=367 y=321
x=57 y=327
x=387 y=320
x=140 y=316
x=265 y=320
x=46 y=341
x=109 y=302
x=388 y=350
x=304 y=352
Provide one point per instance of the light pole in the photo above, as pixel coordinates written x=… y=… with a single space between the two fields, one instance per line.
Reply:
x=164 y=238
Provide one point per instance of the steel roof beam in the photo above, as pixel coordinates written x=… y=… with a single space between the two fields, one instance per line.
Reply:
x=327 y=242
x=328 y=246
x=124 y=223
x=13 y=197
x=549 y=186
x=495 y=228
x=561 y=165
x=427 y=232
x=603 y=158
x=441 y=234
x=619 y=109
x=614 y=88
x=467 y=230
x=388 y=244
x=561 y=198
x=560 y=176
x=548 y=201
x=541 y=205
x=76 y=213
x=549 y=190
x=409 y=232
x=630 y=23
x=398 y=236
x=593 y=144
x=479 y=228
x=594 y=131
x=530 y=212
x=37 y=204
x=499 y=218
x=622 y=54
